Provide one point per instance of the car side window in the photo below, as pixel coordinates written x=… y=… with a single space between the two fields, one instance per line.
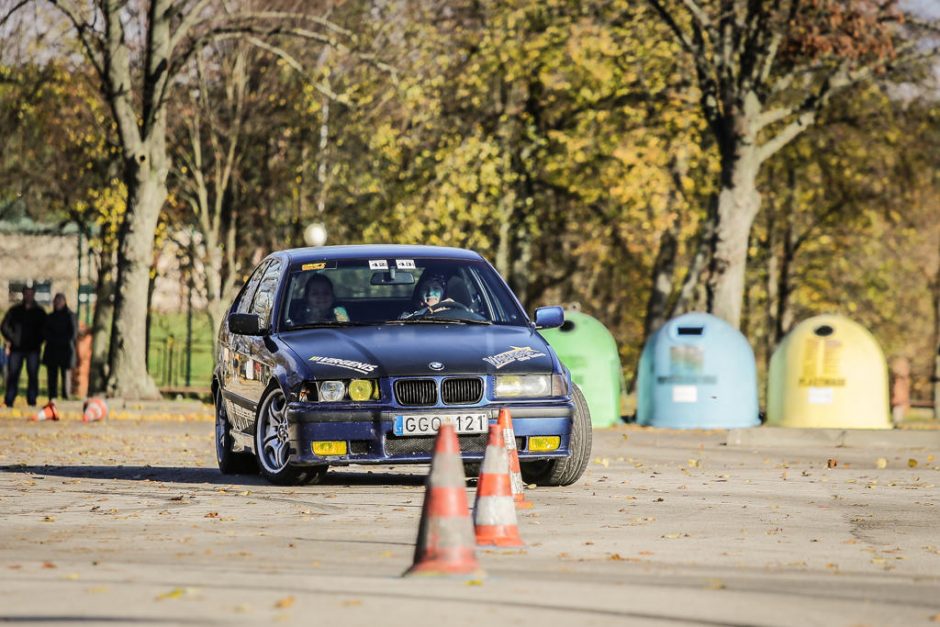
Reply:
x=243 y=302
x=263 y=301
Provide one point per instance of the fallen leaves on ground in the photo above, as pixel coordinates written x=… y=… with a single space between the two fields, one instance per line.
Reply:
x=286 y=602
x=881 y=463
x=832 y=463
x=912 y=463
x=175 y=593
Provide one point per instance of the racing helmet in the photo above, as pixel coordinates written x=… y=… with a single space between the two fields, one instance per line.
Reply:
x=433 y=287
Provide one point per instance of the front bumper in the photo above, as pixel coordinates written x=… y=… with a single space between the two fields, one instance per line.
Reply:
x=369 y=437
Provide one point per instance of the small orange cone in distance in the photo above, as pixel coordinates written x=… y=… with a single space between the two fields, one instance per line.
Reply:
x=515 y=471
x=48 y=412
x=494 y=513
x=94 y=409
x=445 y=536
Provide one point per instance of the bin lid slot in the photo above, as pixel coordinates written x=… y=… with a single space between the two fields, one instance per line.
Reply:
x=824 y=330
x=690 y=330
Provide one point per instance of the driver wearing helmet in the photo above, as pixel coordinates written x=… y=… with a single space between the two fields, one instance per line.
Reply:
x=430 y=297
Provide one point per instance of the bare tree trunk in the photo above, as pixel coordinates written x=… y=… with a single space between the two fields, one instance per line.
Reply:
x=688 y=298
x=128 y=377
x=101 y=324
x=936 y=344
x=772 y=284
x=738 y=205
x=664 y=266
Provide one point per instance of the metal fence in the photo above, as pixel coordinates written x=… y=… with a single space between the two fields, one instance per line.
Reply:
x=172 y=366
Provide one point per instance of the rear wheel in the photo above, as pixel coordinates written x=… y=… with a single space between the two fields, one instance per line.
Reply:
x=272 y=445
x=559 y=472
x=230 y=462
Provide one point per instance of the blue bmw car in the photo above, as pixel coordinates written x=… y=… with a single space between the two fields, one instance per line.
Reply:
x=357 y=354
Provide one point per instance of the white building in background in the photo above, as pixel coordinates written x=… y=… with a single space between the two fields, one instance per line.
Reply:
x=52 y=257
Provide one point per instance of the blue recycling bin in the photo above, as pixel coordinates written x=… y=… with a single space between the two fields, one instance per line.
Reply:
x=697 y=372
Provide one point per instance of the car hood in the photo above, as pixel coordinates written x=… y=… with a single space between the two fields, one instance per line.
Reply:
x=409 y=350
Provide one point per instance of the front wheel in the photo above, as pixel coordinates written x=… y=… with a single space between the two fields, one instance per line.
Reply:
x=272 y=445
x=560 y=472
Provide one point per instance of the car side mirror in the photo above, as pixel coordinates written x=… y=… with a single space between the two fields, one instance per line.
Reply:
x=245 y=324
x=549 y=317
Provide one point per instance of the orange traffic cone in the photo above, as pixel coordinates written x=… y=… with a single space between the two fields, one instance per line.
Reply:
x=445 y=535
x=94 y=409
x=515 y=471
x=48 y=412
x=494 y=513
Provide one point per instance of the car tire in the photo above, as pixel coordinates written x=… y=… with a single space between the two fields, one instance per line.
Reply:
x=230 y=462
x=272 y=445
x=562 y=472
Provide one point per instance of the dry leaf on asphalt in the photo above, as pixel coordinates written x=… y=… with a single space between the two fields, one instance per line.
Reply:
x=881 y=463
x=175 y=593
x=832 y=463
x=286 y=602
x=912 y=463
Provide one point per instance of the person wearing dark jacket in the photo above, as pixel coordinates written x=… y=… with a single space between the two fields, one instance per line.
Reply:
x=59 y=353
x=22 y=328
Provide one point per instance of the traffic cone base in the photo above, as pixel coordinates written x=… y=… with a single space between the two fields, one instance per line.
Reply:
x=494 y=513
x=515 y=470
x=445 y=544
x=94 y=409
x=47 y=412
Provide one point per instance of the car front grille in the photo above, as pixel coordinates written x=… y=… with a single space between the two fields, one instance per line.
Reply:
x=405 y=445
x=462 y=391
x=413 y=445
x=416 y=392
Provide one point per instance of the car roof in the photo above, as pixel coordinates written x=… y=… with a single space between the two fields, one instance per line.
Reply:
x=319 y=253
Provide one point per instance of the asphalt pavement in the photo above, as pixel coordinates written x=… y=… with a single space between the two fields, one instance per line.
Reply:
x=129 y=522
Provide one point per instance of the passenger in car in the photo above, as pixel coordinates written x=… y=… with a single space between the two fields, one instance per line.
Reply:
x=319 y=301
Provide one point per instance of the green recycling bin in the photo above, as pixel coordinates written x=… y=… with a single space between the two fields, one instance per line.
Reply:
x=588 y=350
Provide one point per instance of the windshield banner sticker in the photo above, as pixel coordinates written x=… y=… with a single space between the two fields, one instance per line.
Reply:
x=516 y=353
x=405 y=264
x=349 y=364
x=378 y=264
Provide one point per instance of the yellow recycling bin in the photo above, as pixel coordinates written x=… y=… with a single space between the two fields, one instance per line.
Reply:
x=828 y=372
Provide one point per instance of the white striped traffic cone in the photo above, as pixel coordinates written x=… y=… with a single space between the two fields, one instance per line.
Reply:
x=494 y=513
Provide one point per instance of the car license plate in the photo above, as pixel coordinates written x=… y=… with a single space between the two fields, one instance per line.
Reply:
x=428 y=424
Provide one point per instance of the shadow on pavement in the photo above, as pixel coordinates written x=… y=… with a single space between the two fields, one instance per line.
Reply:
x=183 y=474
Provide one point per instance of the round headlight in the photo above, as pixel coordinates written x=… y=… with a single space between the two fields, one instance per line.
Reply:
x=332 y=391
x=361 y=389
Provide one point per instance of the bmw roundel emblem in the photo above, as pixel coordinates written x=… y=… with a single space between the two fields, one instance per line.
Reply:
x=436 y=365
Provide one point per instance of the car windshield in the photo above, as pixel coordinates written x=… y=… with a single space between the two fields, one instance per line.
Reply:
x=399 y=291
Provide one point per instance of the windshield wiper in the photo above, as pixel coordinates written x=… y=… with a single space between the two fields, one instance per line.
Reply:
x=438 y=321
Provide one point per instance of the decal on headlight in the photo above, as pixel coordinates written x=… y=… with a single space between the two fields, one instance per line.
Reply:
x=516 y=353
x=349 y=364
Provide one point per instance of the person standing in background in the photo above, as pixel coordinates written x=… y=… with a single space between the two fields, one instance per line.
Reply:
x=59 y=353
x=22 y=328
